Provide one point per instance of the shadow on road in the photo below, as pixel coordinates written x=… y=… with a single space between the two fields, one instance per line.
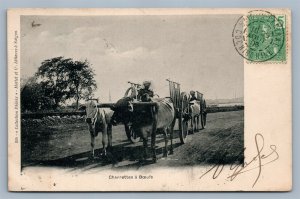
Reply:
x=125 y=155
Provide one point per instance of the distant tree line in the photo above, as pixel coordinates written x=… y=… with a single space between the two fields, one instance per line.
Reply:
x=57 y=80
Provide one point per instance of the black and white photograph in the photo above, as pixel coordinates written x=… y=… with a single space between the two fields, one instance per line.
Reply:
x=115 y=91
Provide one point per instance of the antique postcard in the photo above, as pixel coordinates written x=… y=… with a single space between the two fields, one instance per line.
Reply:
x=149 y=99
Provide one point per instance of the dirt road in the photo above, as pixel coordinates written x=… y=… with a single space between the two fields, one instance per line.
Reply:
x=68 y=145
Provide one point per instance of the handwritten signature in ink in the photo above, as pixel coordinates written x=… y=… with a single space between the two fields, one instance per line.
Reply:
x=256 y=163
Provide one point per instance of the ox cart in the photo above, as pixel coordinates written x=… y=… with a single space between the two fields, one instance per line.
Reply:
x=182 y=105
x=184 y=115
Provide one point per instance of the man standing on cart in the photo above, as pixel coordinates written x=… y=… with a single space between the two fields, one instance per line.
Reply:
x=146 y=93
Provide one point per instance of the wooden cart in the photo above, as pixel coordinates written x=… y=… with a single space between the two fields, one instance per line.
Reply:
x=181 y=102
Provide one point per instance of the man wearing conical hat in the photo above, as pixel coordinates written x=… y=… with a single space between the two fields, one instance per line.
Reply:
x=146 y=93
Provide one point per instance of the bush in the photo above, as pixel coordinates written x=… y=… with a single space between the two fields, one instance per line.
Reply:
x=33 y=98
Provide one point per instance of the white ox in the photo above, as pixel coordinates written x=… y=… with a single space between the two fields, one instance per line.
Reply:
x=195 y=114
x=98 y=120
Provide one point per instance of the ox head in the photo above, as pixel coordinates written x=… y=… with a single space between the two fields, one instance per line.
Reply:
x=91 y=111
x=122 y=111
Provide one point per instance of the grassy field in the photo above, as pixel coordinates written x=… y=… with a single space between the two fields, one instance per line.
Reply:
x=222 y=142
x=68 y=144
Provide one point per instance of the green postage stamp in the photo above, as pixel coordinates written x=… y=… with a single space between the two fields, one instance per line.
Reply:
x=261 y=37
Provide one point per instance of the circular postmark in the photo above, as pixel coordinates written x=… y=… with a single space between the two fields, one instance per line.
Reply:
x=259 y=36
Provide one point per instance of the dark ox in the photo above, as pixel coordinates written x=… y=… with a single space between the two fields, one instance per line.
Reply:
x=147 y=120
x=98 y=120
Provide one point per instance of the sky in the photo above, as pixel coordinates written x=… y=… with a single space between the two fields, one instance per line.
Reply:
x=197 y=51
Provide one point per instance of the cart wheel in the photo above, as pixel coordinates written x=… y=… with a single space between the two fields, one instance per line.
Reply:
x=203 y=115
x=131 y=92
x=131 y=135
x=184 y=118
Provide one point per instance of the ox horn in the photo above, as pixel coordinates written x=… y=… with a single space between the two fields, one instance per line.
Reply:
x=130 y=107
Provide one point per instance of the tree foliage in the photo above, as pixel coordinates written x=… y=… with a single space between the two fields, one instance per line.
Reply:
x=33 y=97
x=61 y=79
x=81 y=81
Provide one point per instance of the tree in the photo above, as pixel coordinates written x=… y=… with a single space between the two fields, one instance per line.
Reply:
x=81 y=80
x=63 y=79
x=33 y=98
